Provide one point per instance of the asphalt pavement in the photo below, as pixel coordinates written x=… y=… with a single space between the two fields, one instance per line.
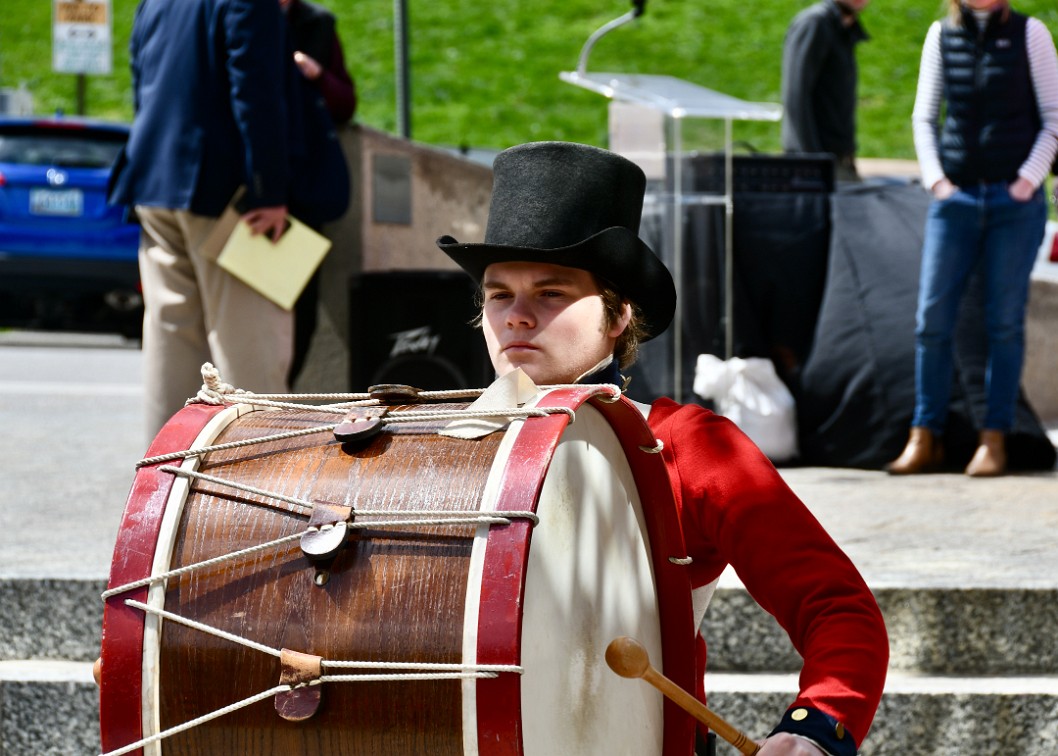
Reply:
x=71 y=417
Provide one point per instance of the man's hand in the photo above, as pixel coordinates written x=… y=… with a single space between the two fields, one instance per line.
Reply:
x=308 y=65
x=1022 y=190
x=267 y=220
x=785 y=744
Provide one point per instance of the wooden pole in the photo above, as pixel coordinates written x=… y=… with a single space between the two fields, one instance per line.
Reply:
x=81 y=86
x=403 y=73
x=627 y=657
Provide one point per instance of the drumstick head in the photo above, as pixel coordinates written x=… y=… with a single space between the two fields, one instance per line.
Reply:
x=627 y=657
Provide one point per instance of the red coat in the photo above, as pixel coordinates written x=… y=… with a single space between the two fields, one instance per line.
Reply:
x=736 y=509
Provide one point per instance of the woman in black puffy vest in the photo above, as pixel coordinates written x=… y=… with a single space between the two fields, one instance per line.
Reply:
x=993 y=74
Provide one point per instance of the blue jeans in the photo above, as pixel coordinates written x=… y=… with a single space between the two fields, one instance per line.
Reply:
x=977 y=225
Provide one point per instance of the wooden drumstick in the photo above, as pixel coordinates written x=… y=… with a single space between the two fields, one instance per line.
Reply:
x=627 y=657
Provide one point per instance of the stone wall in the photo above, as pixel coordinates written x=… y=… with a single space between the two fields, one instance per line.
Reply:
x=404 y=196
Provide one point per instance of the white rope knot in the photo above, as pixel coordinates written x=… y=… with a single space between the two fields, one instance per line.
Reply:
x=213 y=390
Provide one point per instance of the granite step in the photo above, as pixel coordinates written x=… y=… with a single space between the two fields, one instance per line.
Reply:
x=50 y=618
x=920 y=715
x=953 y=631
x=49 y=708
x=934 y=631
x=972 y=670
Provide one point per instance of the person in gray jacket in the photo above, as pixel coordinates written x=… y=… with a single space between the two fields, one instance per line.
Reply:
x=819 y=78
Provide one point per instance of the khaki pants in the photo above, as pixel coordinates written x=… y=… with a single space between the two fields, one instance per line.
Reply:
x=195 y=312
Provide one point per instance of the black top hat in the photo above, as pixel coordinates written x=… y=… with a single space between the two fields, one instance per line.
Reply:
x=573 y=205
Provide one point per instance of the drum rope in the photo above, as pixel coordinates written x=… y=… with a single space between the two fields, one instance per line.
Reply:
x=423 y=667
x=265 y=400
x=342 y=402
x=470 y=674
x=294 y=501
x=404 y=417
x=265 y=694
x=261 y=400
x=425 y=671
x=445 y=518
x=187 y=453
x=409 y=517
x=216 y=391
x=176 y=730
x=434 y=516
x=198 y=566
x=462 y=669
x=514 y=412
x=335 y=402
x=201 y=627
x=288 y=401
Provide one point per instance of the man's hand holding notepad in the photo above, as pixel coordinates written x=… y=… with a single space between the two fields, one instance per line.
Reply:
x=277 y=270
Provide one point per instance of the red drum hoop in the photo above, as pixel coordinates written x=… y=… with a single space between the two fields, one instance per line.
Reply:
x=544 y=599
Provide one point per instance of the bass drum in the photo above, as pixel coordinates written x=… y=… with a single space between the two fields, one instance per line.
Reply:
x=455 y=637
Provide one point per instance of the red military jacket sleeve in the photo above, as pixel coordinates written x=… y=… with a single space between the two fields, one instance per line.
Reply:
x=736 y=509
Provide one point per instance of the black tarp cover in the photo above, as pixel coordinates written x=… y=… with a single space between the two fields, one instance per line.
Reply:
x=856 y=391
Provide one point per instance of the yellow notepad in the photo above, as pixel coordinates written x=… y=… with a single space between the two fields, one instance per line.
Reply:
x=279 y=271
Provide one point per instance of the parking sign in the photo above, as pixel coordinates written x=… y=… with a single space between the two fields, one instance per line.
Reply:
x=81 y=36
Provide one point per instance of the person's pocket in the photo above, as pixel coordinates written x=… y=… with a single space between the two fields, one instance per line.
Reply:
x=1035 y=197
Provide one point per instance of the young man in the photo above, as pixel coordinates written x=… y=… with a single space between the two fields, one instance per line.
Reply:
x=568 y=292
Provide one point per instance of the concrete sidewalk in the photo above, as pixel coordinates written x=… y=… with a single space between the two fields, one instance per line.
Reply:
x=939 y=531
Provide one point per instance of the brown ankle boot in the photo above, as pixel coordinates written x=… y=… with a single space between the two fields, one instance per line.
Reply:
x=922 y=454
x=990 y=459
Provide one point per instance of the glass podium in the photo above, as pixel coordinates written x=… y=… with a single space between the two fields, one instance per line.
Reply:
x=674 y=101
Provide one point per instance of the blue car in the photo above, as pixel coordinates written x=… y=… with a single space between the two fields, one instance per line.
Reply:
x=67 y=258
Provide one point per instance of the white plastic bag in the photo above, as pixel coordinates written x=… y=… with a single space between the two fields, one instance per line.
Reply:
x=750 y=394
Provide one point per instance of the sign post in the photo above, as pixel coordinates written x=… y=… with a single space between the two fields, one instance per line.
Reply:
x=81 y=34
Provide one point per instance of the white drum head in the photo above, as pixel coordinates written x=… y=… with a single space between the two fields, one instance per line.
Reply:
x=588 y=581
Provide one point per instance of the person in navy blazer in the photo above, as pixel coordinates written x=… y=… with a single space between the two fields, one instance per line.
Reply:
x=210 y=117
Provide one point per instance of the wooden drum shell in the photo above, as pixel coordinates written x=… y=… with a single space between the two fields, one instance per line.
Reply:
x=393 y=596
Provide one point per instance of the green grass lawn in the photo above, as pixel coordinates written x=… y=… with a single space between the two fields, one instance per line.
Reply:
x=485 y=74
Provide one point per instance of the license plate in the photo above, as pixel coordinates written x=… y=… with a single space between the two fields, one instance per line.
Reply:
x=69 y=202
